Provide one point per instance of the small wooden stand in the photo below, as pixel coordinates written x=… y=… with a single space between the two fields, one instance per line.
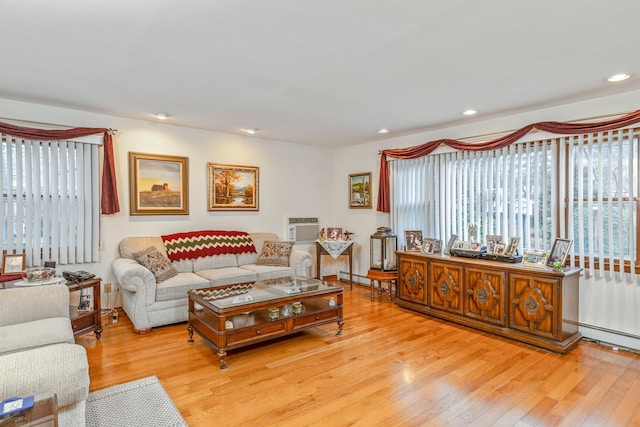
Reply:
x=390 y=277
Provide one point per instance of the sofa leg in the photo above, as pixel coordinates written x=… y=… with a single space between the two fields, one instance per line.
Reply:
x=142 y=331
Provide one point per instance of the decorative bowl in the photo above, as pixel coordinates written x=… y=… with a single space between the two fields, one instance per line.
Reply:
x=36 y=274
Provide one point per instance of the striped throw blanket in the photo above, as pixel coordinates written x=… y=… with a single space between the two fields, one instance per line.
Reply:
x=200 y=244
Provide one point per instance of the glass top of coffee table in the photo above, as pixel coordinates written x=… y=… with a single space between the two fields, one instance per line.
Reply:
x=264 y=291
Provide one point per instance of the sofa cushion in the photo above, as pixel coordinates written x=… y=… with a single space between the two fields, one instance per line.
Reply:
x=275 y=254
x=156 y=262
x=227 y=275
x=215 y=261
x=37 y=333
x=258 y=241
x=177 y=286
x=266 y=272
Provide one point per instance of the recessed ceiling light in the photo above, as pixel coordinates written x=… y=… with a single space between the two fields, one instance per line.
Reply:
x=618 y=77
x=469 y=112
x=383 y=130
x=252 y=131
x=161 y=116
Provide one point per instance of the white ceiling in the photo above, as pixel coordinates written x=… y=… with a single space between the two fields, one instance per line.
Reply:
x=328 y=72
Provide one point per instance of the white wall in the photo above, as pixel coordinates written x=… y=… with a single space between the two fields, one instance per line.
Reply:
x=605 y=304
x=293 y=177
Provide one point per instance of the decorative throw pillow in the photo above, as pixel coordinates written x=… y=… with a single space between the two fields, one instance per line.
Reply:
x=156 y=262
x=275 y=254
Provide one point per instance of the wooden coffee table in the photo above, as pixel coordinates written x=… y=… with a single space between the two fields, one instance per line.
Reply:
x=249 y=317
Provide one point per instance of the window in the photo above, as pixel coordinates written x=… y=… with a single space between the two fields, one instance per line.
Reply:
x=583 y=188
x=50 y=200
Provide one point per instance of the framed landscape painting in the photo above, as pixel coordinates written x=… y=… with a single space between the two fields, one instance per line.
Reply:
x=360 y=190
x=233 y=188
x=158 y=184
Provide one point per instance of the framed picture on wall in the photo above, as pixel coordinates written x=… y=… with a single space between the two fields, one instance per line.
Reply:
x=233 y=187
x=360 y=190
x=158 y=184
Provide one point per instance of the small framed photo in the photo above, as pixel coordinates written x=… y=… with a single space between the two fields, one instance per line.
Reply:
x=498 y=249
x=360 y=190
x=512 y=246
x=559 y=251
x=13 y=263
x=86 y=302
x=413 y=240
x=334 y=233
x=452 y=240
x=533 y=258
x=428 y=246
x=491 y=240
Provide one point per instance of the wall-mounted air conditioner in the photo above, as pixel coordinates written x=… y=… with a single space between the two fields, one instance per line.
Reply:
x=302 y=230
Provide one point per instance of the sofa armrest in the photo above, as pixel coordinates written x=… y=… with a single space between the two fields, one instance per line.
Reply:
x=20 y=305
x=300 y=261
x=127 y=270
x=136 y=279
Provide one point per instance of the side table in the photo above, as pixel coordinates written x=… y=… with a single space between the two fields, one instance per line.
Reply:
x=84 y=322
x=390 y=277
x=348 y=251
x=43 y=413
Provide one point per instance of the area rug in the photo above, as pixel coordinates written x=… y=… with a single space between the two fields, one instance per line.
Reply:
x=140 y=403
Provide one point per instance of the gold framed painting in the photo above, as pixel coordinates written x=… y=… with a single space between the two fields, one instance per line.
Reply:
x=360 y=190
x=158 y=184
x=233 y=187
x=13 y=263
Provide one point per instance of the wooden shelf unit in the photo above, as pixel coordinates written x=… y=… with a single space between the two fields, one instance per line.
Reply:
x=537 y=306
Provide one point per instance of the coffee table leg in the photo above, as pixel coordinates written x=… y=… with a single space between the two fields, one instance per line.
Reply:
x=221 y=356
x=340 y=326
x=190 y=329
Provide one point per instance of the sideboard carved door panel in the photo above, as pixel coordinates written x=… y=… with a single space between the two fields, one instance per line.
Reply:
x=533 y=302
x=412 y=280
x=484 y=296
x=445 y=287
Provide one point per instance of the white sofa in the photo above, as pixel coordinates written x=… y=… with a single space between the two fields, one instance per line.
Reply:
x=38 y=353
x=149 y=304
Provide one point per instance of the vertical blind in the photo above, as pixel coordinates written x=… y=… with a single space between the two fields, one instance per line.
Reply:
x=50 y=200
x=583 y=188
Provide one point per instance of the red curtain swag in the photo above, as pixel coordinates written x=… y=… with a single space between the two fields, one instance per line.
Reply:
x=109 y=197
x=384 y=204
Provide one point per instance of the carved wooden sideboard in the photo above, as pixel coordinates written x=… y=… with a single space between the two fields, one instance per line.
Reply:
x=533 y=305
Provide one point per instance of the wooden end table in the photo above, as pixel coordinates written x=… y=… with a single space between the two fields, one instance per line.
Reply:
x=390 y=277
x=84 y=322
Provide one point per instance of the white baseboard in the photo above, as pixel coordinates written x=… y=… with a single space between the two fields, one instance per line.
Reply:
x=609 y=338
x=357 y=278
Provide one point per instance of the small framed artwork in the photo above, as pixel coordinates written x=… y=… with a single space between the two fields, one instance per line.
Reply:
x=428 y=246
x=452 y=240
x=559 y=251
x=413 y=240
x=13 y=263
x=158 y=184
x=360 y=190
x=498 y=249
x=490 y=241
x=533 y=258
x=233 y=188
x=334 y=233
x=512 y=246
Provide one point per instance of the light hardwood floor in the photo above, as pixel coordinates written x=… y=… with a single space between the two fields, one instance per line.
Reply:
x=390 y=367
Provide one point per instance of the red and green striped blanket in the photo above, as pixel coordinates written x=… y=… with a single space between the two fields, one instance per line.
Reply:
x=199 y=244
